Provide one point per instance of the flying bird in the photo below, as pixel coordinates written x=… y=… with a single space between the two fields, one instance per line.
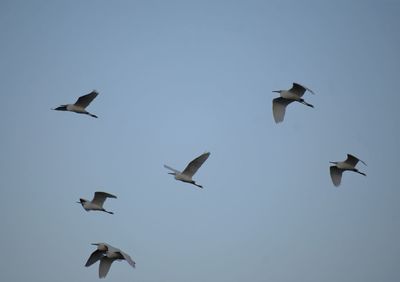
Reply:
x=107 y=254
x=288 y=96
x=97 y=203
x=187 y=174
x=349 y=164
x=80 y=104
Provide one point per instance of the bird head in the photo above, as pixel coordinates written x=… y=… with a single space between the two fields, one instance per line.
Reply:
x=61 y=108
x=81 y=201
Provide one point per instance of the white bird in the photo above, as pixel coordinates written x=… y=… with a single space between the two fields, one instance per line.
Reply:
x=187 y=174
x=288 y=96
x=107 y=254
x=97 y=203
x=80 y=104
x=349 y=164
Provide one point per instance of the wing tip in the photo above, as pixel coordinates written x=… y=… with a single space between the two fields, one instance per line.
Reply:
x=305 y=87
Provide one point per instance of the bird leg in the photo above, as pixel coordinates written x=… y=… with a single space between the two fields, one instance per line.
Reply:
x=362 y=173
x=305 y=103
x=194 y=183
x=92 y=115
x=107 y=211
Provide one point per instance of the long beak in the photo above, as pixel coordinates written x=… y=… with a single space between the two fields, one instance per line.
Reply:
x=333 y=162
x=277 y=91
x=172 y=173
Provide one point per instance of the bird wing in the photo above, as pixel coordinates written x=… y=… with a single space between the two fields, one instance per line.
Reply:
x=85 y=100
x=105 y=264
x=352 y=160
x=299 y=89
x=194 y=165
x=128 y=258
x=173 y=169
x=94 y=257
x=336 y=175
x=279 y=108
x=100 y=197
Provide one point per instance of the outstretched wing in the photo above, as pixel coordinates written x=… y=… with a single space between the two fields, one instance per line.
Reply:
x=336 y=175
x=94 y=257
x=194 y=165
x=352 y=160
x=105 y=264
x=299 y=89
x=279 y=108
x=85 y=100
x=128 y=258
x=100 y=197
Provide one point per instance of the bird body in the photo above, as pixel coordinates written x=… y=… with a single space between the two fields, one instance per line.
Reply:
x=76 y=109
x=343 y=165
x=286 y=97
x=89 y=206
x=80 y=104
x=183 y=177
x=107 y=254
x=289 y=95
x=338 y=168
x=187 y=174
x=96 y=204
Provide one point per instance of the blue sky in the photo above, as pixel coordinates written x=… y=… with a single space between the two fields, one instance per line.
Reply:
x=176 y=79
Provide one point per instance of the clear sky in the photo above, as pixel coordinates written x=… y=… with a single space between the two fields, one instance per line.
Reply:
x=176 y=79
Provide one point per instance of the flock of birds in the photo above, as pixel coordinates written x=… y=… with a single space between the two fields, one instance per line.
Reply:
x=106 y=253
x=295 y=94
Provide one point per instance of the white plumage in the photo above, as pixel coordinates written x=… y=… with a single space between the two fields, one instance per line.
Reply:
x=350 y=163
x=96 y=204
x=80 y=104
x=187 y=174
x=286 y=97
x=107 y=254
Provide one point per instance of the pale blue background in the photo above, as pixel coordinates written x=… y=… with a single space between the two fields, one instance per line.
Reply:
x=176 y=79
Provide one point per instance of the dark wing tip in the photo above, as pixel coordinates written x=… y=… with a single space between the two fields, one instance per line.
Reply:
x=108 y=195
x=303 y=88
x=355 y=159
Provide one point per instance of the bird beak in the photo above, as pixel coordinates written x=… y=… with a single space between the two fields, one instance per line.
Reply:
x=333 y=162
x=172 y=173
x=277 y=91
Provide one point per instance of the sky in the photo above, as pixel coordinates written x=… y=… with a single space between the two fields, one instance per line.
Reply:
x=179 y=78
